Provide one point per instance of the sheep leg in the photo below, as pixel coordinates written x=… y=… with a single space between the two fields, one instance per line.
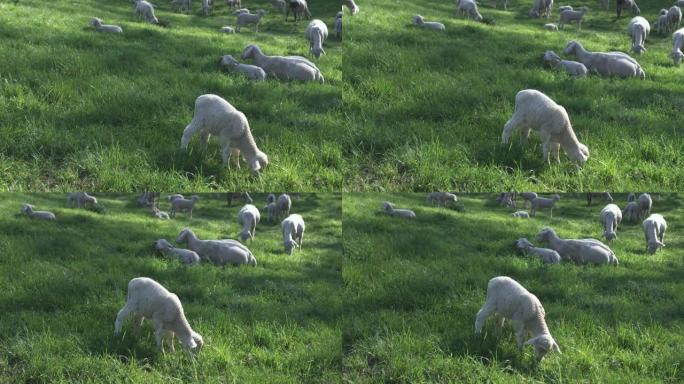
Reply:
x=121 y=318
x=204 y=140
x=499 y=324
x=137 y=323
x=487 y=309
x=159 y=335
x=235 y=153
x=301 y=239
x=519 y=328
x=555 y=151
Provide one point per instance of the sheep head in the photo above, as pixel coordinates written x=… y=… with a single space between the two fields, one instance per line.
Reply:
x=258 y=161
x=572 y=47
x=610 y=235
x=289 y=246
x=677 y=56
x=653 y=246
x=523 y=243
x=27 y=208
x=162 y=244
x=418 y=20
x=184 y=234
x=95 y=22
x=543 y=344
x=545 y=234
x=250 y=51
x=228 y=60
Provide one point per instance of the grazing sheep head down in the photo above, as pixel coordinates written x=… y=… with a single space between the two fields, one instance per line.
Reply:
x=289 y=246
x=654 y=246
x=677 y=57
x=260 y=161
x=543 y=344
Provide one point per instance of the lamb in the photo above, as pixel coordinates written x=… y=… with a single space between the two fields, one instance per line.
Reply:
x=543 y=202
x=182 y=4
x=298 y=7
x=187 y=256
x=233 y=3
x=316 y=32
x=578 y=250
x=677 y=45
x=548 y=256
x=284 y=67
x=216 y=116
x=610 y=217
x=338 y=26
x=645 y=203
x=573 y=68
x=27 y=209
x=249 y=18
x=674 y=18
x=631 y=211
x=351 y=5
x=541 y=8
x=527 y=197
x=293 y=232
x=219 y=252
x=550 y=27
x=148 y=298
x=146 y=10
x=283 y=205
x=570 y=15
x=469 y=7
x=227 y=29
x=97 y=23
x=521 y=214
x=442 y=198
x=184 y=205
x=389 y=209
x=535 y=110
x=654 y=229
x=592 y=195
x=420 y=21
x=638 y=29
x=155 y=212
x=626 y=4
x=272 y=210
x=507 y=299
x=251 y=71
x=606 y=63
x=81 y=199
x=661 y=22
x=248 y=217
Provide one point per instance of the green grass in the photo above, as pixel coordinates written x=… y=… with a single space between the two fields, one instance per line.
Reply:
x=415 y=286
x=425 y=109
x=62 y=284
x=85 y=110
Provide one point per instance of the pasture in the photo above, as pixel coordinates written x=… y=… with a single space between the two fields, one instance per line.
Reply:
x=413 y=288
x=63 y=282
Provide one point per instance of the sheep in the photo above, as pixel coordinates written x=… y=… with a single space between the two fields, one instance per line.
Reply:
x=606 y=63
x=550 y=27
x=284 y=67
x=316 y=32
x=677 y=44
x=148 y=298
x=521 y=214
x=535 y=110
x=249 y=18
x=507 y=299
x=638 y=29
x=297 y=7
x=338 y=26
x=548 y=256
x=610 y=217
x=251 y=71
x=244 y=196
x=174 y=197
x=527 y=197
x=227 y=29
x=631 y=197
x=233 y=3
x=248 y=217
x=578 y=250
x=219 y=252
x=187 y=256
x=293 y=232
x=654 y=229
x=206 y=6
x=81 y=199
x=146 y=10
x=674 y=18
x=631 y=211
x=147 y=199
x=184 y=205
x=270 y=198
x=351 y=5
x=279 y=5
x=506 y=199
x=389 y=209
x=570 y=15
x=182 y=4
x=645 y=203
x=27 y=209
x=283 y=205
x=469 y=7
x=442 y=198
x=272 y=211
x=97 y=23
x=541 y=8
x=216 y=116
x=592 y=195
x=543 y=202
x=573 y=68
x=626 y=4
x=420 y=21
x=155 y=212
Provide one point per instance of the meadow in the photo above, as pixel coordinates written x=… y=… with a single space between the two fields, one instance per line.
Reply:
x=425 y=109
x=413 y=288
x=87 y=110
x=62 y=284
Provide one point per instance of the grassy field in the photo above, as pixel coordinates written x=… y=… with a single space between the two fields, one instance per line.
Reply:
x=62 y=284
x=425 y=109
x=85 y=110
x=414 y=288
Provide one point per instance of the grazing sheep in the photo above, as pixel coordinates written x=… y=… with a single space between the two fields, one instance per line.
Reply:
x=654 y=229
x=227 y=29
x=272 y=211
x=578 y=250
x=469 y=8
x=674 y=18
x=573 y=68
x=507 y=299
x=389 y=209
x=570 y=15
x=81 y=199
x=147 y=298
x=27 y=209
x=631 y=197
x=527 y=197
x=233 y=3
x=543 y=202
x=677 y=44
x=249 y=18
x=244 y=196
x=219 y=252
x=626 y=4
x=216 y=116
x=97 y=23
x=645 y=203
x=605 y=195
x=185 y=205
x=174 y=197
x=420 y=21
x=521 y=214
x=535 y=110
x=338 y=26
x=661 y=22
x=293 y=232
x=251 y=71
x=185 y=255
x=351 y=5
x=155 y=212
x=145 y=10
x=182 y=5
x=441 y=198
x=610 y=217
x=283 y=205
x=248 y=217
x=631 y=212
x=548 y=256
x=316 y=32
x=298 y=8
x=284 y=67
x=638 y=29
x=541 y=8
x=550 y=27
x=606 y=63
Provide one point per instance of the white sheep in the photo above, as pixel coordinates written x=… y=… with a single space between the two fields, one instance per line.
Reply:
x=389 y=209
x=543 y=202
x=184 y=205
x=631 y=211
x=216 y=116
x=654 y=229
x=148 y=298
x=534 y=110
x=27 y=209
x=638 y=29
x=606 y=63
x=573 y=68
x=81 y=199
x=420 y=21
x=316 y=32
x=227 y=29
x=338 y=26
x=145 y=10
x=184 y=255
x=298 y=8
x=507 y=299
x=527 y=197
x=272 y=211
x=610 y=217
x=627 y=4
x=441 y=198
x=645 y=203
x=661 y=25
x=97 y=23
x=219 y=252
x=548 y=256
x=233 y=3
x=251 y=71
x=283 y=205
x=248 y=217
x=677 y=44
x=521 y=214
x=155 y=212
x=182 y=5
x=578 y=250
x=674 y=18
x=469 y=8
x=570 y=15
x=541 y=8
x=550 y=27
x=293 y=232
x=351 y=5
x=249 y=18
x=284 y=67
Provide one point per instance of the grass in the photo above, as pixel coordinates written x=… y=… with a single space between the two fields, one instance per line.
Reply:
x=85 y=110
x=62 y=284
x=415 y=286
x=425 y=109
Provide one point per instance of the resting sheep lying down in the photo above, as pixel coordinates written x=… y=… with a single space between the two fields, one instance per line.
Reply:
x=219 y=252
x=27 y=209
x=390 y=210
x=548 y=256
x=606 y=63
x=580 y=251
